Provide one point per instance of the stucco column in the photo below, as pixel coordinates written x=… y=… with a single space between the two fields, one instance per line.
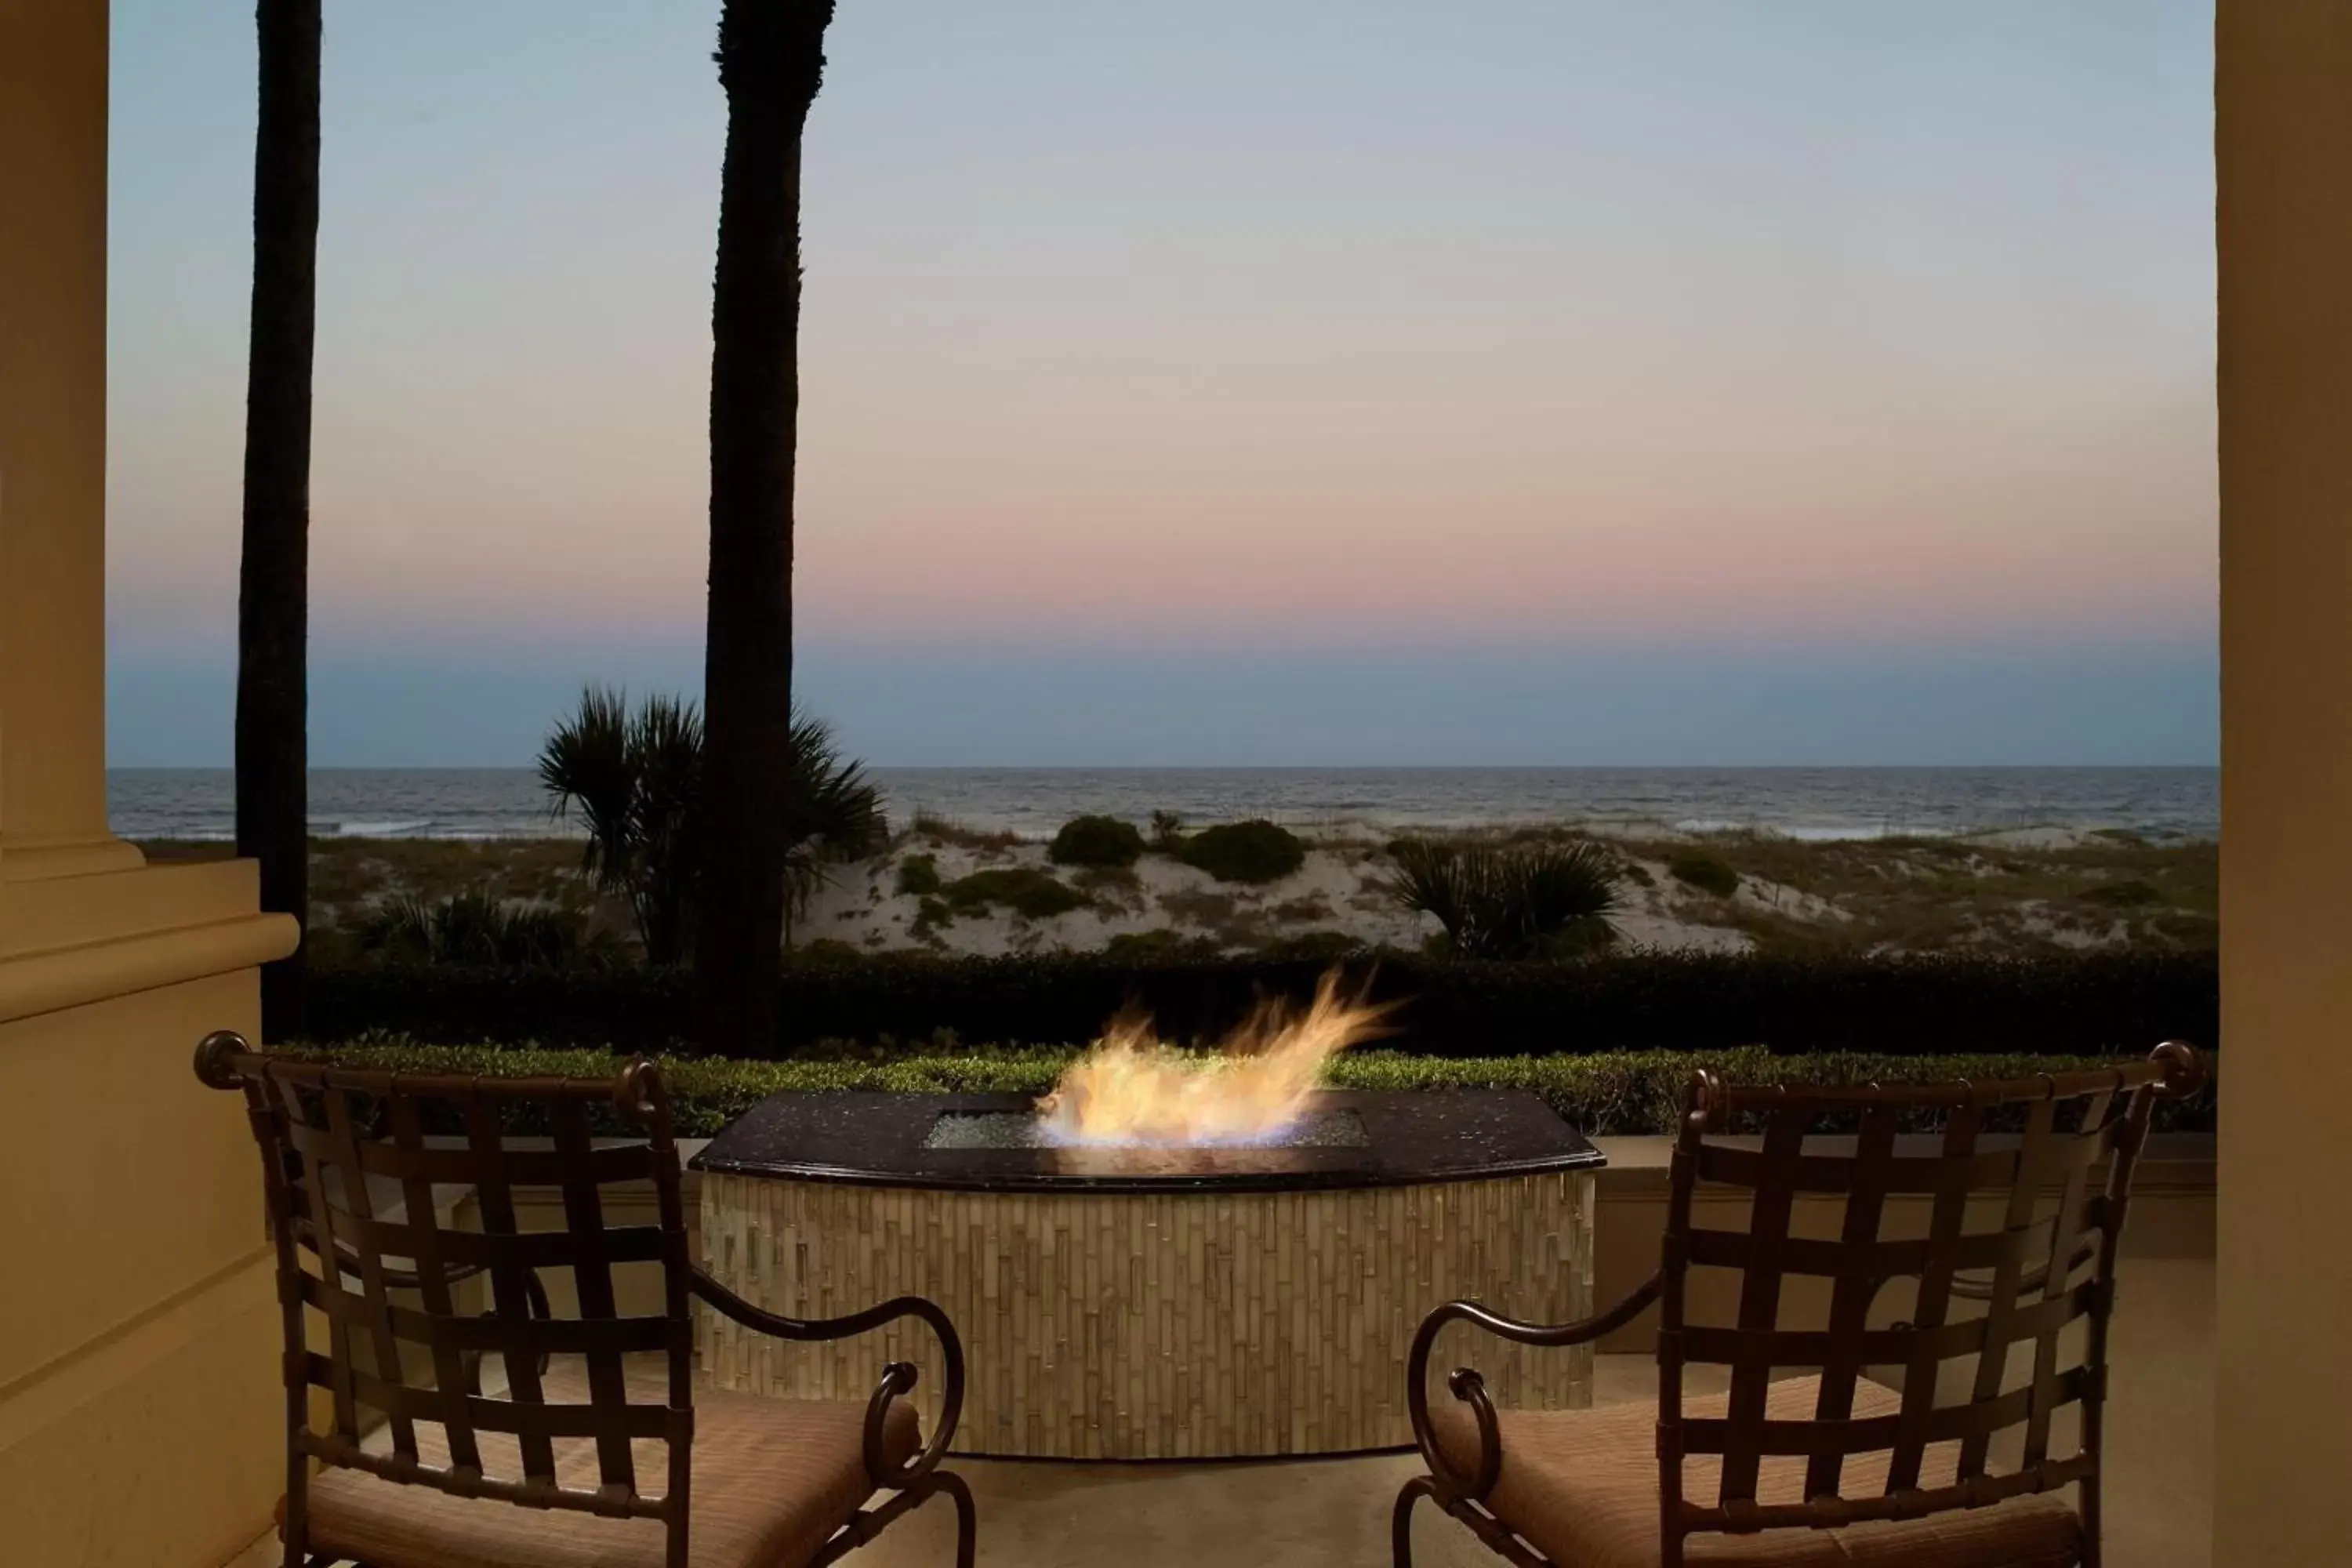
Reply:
x=140 y=1411
x=2284 y=136
x=53 y=62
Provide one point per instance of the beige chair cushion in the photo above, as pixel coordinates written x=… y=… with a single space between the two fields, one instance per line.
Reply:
x=772 y=1479
x=1583 y=1486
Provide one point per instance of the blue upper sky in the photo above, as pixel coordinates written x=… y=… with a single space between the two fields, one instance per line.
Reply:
x=1252 y=380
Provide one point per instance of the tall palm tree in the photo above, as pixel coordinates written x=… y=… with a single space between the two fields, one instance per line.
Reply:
x=771 y=62
x=273 y=585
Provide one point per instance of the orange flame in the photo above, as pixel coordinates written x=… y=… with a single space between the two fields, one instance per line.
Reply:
x=1132 y=1089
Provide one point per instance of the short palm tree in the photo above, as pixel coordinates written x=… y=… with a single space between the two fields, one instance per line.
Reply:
x=635 y=779
x=1529 y=900
x=474 y=928
x=638 y=782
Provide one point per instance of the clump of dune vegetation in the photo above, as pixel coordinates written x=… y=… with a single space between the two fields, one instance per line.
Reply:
x=1705 y=872
x=1253 y=851
x=1027 y=891
x=941 y=833
x=1099 y=841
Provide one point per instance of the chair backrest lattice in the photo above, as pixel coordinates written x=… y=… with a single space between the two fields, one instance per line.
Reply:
x=2023 y=1187
x=350 y=1161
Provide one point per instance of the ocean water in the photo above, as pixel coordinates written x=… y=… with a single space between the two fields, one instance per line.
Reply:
x=1803 y=803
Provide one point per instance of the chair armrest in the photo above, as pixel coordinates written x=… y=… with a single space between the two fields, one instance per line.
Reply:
x=897 y=1377
x=1969 y=1289
x=1467 y=1386
x=413 y=1280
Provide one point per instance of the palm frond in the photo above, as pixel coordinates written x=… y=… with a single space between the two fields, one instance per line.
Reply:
x=666 y=749
x=399 y=927
x=835 y=810
x=474 y=928
x=586 y=763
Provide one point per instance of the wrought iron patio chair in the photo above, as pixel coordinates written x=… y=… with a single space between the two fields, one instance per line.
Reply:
x=1833 y=1469
x=556 y=1471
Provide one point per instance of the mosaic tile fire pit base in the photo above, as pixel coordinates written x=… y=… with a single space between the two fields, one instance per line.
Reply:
x=1154 y=1303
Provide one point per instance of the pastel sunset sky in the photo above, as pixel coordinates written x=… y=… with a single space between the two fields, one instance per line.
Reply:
x=1242 y=381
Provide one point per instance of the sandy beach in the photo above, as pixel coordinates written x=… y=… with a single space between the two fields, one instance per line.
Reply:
x=2031 y=890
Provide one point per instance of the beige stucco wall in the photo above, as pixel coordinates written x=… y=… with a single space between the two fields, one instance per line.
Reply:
x=138 y=1376
x=52 y=430
x=2284 y=147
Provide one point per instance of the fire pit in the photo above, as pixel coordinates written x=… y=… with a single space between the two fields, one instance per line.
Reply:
x=1153 y=1301
x=1170 y=1256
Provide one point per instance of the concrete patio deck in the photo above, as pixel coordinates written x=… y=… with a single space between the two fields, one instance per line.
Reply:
x=1333 y=1513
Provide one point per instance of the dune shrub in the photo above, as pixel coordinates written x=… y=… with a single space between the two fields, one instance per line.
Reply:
x=918 y=875
x=1025 y=889
x=1705 y=873
x=1253 y=851
x=1096 y=841
x=939 y=831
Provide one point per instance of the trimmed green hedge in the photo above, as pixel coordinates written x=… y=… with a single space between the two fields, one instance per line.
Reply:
x=1611 y=1092
x=2107 y=1004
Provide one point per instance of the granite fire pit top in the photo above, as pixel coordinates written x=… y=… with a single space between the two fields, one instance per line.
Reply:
x=899 y=1139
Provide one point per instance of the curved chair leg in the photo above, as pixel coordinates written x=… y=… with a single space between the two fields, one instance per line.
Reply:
x=864 y=1527
x=1401 y=1520
x=967 y=1515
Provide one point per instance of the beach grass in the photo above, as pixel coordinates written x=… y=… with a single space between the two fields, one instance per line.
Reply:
x=1926 y=894
x=940 y=832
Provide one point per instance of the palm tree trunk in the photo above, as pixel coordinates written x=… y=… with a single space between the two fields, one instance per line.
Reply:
x=770 y=61
x=273 y=586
